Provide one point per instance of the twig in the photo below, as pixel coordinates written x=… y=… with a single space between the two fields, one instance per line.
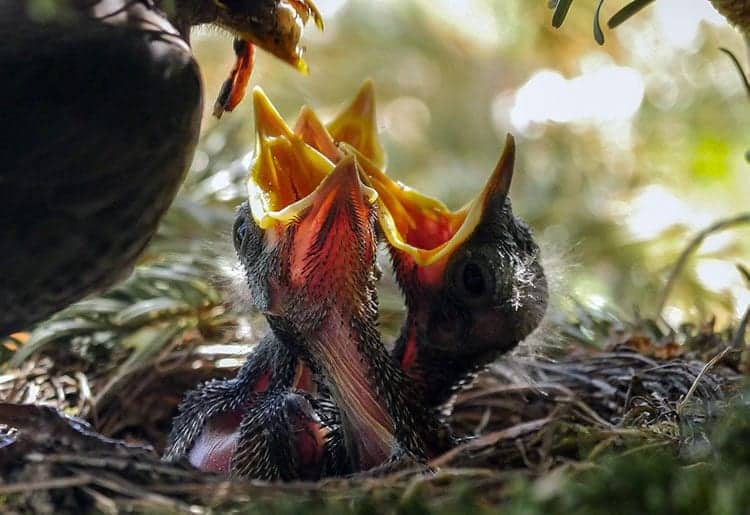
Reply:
x=739 y=338
x=694 y=244
x=490 y=439
x=48 y=484
x=123 y=487
x=737 y=65
x=706 y=368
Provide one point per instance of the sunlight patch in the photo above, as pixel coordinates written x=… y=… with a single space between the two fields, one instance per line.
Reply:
x=602 y=96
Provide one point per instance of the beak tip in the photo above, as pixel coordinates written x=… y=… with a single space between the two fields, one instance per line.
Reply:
x=259 y=98
x=347 y=176
x=268 y=121
x=301 y=66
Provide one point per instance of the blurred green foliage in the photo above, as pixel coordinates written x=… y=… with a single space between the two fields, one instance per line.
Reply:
x=615 y=196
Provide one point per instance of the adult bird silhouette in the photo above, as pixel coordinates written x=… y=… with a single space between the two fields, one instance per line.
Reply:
x=101 y=102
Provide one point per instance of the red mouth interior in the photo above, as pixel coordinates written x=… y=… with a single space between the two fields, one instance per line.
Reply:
x=430 y=232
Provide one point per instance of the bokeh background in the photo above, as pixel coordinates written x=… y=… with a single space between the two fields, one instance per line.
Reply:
x=625 y=150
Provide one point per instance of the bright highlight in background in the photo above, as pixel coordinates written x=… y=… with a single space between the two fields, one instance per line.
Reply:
x=656 y=209
x=608 y=94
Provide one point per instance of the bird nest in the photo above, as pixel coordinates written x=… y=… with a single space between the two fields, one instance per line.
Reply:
x=83 y=434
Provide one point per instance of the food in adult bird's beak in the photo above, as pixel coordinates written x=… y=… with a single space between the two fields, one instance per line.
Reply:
x=273 y=25
x=233 y=89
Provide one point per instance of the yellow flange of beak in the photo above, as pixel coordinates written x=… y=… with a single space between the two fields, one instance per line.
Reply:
x=290 y=164
x=286 y=172
x=423 y=227
x=357 y=126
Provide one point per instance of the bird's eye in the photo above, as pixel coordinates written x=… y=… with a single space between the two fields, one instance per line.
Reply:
x=473 y=282
x=472 y=279
x=240 y=232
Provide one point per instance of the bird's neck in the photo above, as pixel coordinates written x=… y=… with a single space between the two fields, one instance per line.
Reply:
x=185 y=14
x=348 y=356
x=436 y=373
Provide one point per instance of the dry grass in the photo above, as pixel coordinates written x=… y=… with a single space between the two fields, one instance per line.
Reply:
x=532 y=417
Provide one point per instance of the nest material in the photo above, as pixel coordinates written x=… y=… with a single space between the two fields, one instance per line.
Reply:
x=527 y=417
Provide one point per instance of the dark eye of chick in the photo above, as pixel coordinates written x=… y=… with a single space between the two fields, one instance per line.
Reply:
x=473 y=280
x=240 y=231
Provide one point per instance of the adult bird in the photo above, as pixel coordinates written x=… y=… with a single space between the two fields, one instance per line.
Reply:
x=101 y=104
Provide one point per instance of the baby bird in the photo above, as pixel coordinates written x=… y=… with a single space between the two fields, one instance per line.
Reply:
x=472 y=279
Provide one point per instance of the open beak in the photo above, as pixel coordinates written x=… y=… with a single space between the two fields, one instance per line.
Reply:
x=286 y=170
x=415 y=225
x=422 y=227
x=357 y=126
x=290 y=177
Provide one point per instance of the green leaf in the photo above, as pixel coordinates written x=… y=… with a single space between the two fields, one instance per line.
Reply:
x=561 y=11
x=626 y=12
x=150 y=310
x=50 y=332
x=92 y=308
x=146 y=343
x=188 y=287
x=598 y=34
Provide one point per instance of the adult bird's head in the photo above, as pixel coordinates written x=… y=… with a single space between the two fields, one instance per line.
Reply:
x=273 y=25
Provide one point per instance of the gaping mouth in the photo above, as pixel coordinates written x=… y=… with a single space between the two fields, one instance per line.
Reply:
x=423 y=227
x=276 y=28
x=289 y=176
x=415 y=225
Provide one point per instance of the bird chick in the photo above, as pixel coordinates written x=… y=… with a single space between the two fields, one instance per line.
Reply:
x=309 y=253
x=207 y=430
x=472 y=280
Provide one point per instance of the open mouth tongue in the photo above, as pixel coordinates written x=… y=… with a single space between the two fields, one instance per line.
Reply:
x=292 y=182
